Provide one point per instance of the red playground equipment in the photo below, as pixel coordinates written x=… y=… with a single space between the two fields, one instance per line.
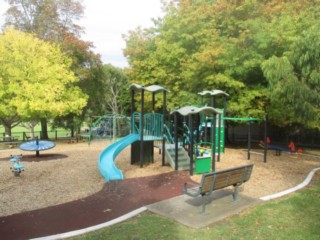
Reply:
x=291 y=147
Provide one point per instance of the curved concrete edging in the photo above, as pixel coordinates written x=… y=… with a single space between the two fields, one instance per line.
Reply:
x=296 y=188
x=142 y=209
x=93 y=228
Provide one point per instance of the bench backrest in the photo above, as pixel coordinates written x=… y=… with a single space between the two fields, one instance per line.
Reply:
x=224 y=178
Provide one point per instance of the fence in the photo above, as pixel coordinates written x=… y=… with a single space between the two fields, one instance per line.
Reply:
x=25 y=136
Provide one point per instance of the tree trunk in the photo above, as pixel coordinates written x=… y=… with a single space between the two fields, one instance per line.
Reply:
x=44 y=129
x=7 y=130
x=31 y=132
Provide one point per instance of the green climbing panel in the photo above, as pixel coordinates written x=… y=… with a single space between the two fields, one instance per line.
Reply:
x=221 y=143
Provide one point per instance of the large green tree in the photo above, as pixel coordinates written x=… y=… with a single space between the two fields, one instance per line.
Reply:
x=55 y=21
x=233 y=46
x=294 y=81
x=36 y=80
x=188 y=52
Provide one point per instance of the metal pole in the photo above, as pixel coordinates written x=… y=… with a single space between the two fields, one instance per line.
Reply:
x=213 y=101
x=206 y=129
x=224 y=122
x=132 y=111
x=198 y=120
x=191 y=143
x=153 y=101
x=219 y=139
x=141 y=129
x=37 y=143
x=132 y=122
x=213 y=140
x=163 y=122
x=249 y=138
x=213 y=151
x=176 y=142
x=265 y=138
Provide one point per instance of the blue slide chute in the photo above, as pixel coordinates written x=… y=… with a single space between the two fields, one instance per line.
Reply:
x=107 y=157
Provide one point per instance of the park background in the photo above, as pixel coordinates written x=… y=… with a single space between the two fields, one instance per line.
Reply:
x=265 y=55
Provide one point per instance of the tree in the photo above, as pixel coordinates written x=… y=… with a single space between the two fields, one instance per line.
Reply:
x=36 y=80
x=54 y=21
x=49 y=19
x=187 y=53
x=116 y=95
x=88 y=68
x=294 y=81
x=235 y=46
x=30 y=125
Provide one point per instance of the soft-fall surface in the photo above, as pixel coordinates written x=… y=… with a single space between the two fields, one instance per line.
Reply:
x=69 y=172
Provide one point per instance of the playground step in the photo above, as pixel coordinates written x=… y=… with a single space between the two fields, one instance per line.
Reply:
x=183 y=158
x=181 y=154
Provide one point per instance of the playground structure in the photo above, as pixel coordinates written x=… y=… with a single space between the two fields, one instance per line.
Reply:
x=145 y=129
x=203 y=127
x=17 y=167
x=220 y=141
x=191 y=141
x=37 y=146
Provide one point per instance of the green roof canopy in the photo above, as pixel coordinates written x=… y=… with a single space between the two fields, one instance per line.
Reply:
x=188 y=110
x=213 y=93
x=151 y=88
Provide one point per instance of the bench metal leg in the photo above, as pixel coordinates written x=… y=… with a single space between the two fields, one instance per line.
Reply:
x=235 y=194
x=204 y=204
x=203 y=207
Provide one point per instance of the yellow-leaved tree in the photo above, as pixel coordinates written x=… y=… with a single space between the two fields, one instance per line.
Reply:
x=35 y=80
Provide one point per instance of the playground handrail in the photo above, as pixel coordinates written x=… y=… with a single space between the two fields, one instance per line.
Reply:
x=153 y=125
x=167 y=134
x=170 y=145
x=187 y=134
x=136 y=129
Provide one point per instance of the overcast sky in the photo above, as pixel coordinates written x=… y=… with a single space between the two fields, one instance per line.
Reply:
x=106 y=21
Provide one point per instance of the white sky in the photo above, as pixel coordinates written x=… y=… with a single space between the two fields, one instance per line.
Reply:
x=106 y=21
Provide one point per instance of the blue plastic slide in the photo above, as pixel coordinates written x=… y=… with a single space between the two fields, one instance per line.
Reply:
x=106 y=164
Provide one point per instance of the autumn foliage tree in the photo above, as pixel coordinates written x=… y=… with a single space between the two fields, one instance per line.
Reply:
x=48 y=19
x=265 y=54
x=36 y=80
x=56 y=21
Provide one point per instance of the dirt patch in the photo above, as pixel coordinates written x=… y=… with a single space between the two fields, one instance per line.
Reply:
x=69 y=172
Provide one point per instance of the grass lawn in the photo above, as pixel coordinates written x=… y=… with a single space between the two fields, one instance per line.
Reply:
x=18 y=132
x=294 y=217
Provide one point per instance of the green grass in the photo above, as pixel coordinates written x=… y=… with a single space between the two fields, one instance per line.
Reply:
x=18 y=132
x=293 y=217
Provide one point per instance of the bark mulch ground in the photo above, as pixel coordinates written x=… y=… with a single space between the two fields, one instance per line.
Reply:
x=103 y=206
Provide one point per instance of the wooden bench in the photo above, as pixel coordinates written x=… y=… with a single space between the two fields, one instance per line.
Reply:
x=213 y=181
